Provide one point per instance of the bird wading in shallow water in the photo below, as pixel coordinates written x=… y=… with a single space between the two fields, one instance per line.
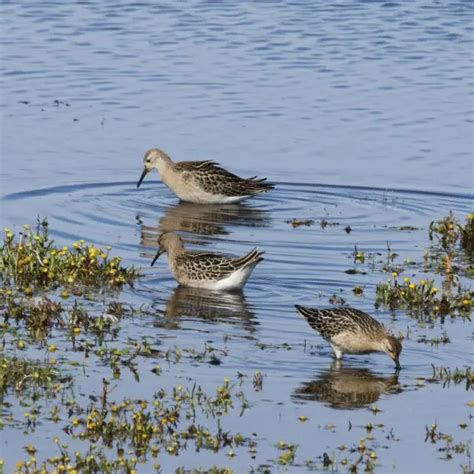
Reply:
x=204 y=269
x=202 y=182
x=350 y=331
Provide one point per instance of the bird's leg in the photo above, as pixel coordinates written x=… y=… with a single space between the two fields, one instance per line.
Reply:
x=337 y=352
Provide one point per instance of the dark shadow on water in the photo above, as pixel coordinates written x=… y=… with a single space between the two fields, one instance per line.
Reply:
x=212 y=306
x=203 y=220
x=347 y=387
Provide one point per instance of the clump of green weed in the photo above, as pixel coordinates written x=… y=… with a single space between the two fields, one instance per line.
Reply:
x=422 y=298
x=28 y=378
x=451 y=447
x=31 y=261
x=453 y=249
x=456 y=375
x=467 y=236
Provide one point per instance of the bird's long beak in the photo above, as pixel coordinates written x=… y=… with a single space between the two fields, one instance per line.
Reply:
x=397 y=364
x=145 y=172
x=156 y=257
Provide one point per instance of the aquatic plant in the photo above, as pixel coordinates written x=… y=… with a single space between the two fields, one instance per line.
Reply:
x=30 y=261
x=422 y=298
x=456 y=375
x=452 y=251
x=287 y=454
x=30 y=379
x=451 y=447
x=40 y=315
x=436 y=341
x=137 y=429
x=300 y=222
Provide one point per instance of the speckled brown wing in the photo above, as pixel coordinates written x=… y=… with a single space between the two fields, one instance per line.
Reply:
x=211 y=266
x=332 y=321
x=216 y=180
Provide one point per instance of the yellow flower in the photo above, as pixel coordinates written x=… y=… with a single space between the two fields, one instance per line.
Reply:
x=394 y=274
x=406 y=279
x=81 y=242
x=434 y=290
x=302 y=418
x=76 y=331
x=412 y=286
x=52 y=348
x=422 y=282
x=76 y=245
x=109 y=247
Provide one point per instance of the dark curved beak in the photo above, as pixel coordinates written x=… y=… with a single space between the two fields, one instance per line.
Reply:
x=156 y=257
x=397 y=364
x=145 y=172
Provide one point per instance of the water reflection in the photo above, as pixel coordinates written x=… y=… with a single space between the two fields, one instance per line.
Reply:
x=212 y=306
x=204 y=220
x=348 y=387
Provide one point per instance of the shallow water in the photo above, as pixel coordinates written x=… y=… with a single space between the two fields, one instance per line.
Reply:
x=341 y=105
x=304 y=265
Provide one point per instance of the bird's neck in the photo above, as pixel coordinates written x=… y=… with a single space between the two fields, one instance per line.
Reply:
x=175 y=249
x=165 y=168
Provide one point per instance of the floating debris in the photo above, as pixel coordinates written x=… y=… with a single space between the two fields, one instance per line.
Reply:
x=300 y=222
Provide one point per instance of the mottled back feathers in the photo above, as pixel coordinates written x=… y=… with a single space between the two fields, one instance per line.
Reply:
x=211 y=266
x=333 y=321
x=216 y=180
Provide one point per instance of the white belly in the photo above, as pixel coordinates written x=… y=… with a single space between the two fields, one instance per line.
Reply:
x=189 y=192
x=201 y=197
x=235 y=281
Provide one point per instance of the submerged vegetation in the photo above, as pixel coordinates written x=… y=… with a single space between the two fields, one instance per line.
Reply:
x=60 y=316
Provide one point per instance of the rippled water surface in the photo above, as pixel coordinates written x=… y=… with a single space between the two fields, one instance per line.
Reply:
x=360 y=112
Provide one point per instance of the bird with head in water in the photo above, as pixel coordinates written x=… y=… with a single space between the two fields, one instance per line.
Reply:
x=202 y=182
x=351 y=331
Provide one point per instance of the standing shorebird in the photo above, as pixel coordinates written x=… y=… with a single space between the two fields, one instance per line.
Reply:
x=204 y=269
x=351 y=331
x=202 y=182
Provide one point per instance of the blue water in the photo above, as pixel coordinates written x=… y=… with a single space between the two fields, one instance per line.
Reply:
x=359 y=93
x=361 y=112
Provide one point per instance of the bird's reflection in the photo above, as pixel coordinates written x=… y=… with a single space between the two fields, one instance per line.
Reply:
x=212 y=306
x=203 y=220
x=348 y=387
